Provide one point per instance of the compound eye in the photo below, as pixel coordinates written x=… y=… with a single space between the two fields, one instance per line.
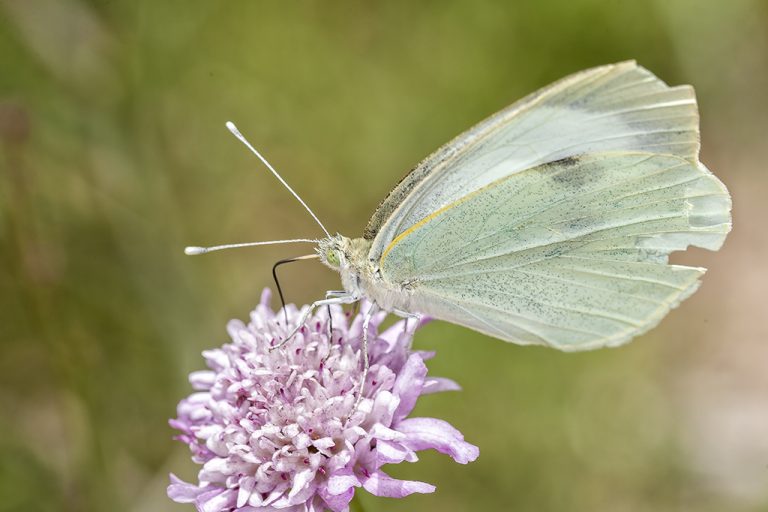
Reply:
x=332 y=258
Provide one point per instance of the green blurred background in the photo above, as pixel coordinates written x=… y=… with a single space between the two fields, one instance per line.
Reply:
x=114 y=156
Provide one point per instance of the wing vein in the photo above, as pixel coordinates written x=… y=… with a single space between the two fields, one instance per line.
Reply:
x=548 y=207
x=519 y=222
x=582 y=285
x=570 y=309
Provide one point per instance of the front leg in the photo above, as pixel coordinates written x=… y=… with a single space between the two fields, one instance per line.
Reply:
x=348 y=298
x=405 y=315
x=366 y=325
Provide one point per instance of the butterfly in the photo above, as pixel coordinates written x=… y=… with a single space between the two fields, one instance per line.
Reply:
x=549 y=223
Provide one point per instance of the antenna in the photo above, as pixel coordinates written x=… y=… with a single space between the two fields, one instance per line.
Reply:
x=193 y=250
x=232 y=128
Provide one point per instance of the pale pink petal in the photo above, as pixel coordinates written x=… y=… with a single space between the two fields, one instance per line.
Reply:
x=338 y=502
x=388 y=452
x=266 y=296
x=393 y=333
x=217 y=360
x=426 y=355
x=408 y=386
x=300 y=481
x=324 y=444
x=381 y=484
x=216 y=501
x=426 y=433
x=342 y=481
x=438 y=384
x=202 y=379
x=384 y=406
x=183 y=492
x=305 y=493
x=379 y=431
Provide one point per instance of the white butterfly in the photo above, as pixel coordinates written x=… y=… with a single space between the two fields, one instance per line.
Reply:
x=548 y=223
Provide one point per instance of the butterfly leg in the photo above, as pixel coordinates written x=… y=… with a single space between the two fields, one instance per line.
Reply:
x=328 y=295
x=344 y=299
x=366 y=324
x=406 y=316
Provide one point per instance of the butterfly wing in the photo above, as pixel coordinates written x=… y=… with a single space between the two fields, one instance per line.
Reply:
x=551 y=221
x=571 y=253
x=615 y=107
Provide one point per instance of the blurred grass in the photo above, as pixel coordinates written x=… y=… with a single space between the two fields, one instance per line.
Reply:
x=114 y=157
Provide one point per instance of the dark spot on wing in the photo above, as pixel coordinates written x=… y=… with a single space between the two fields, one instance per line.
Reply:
x=555 y=251
x=567 y=172
x=568 y=161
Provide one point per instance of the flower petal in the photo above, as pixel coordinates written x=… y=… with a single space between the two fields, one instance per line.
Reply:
x=393 y=453
x=425 y=433
x=379 y=431
x=342 y=481
x=324 y=443
x=183 y=492
x=300 y=481
x=266 y=295
x=408 y=385
x=381 y=484
x=202 y=379
x=438 y=384
x=216 y=500
x=338 y=502
x=383 y=409
x=246 y=489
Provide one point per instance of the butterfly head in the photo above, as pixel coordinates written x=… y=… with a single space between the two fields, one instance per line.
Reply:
x=334 y=251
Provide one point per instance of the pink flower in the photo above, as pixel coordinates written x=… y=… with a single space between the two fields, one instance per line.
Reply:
x=279 y=431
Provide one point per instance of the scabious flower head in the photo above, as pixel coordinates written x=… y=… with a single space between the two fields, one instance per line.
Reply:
x=279 y=430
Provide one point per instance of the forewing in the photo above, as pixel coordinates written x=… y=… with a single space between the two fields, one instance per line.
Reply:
x=615 y=107
x=571 y=254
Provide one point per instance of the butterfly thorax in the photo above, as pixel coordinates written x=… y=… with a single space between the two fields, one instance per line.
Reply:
x=359 y=276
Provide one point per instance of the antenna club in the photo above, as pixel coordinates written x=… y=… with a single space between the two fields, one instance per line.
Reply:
x=193 y=250
x=232 y=128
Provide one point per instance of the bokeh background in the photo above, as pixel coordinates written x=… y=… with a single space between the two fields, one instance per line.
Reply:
x=114 y=157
